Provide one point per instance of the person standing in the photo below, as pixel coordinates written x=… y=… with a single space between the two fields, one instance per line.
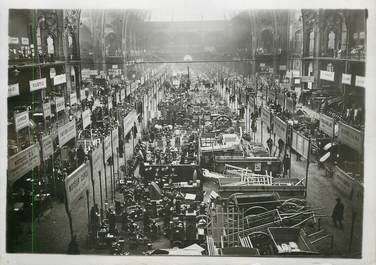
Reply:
x=337 y=214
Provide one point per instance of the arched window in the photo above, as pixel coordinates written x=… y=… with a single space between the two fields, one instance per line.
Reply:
x=311 y=42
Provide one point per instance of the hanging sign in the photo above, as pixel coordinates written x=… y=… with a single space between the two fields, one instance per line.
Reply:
x=47 y=147
x=13 y=40
x=47 y=109
x=21 y=120
x=282 y=67
x=350 y=137
x=280 y=128
x=295 y=73
x=107 y=150
x=343 y=181
x=359 y=81
x=308 y=79
x=326 y=75
x=13 y=90
x=73 y=98
x=37 y=84
x=52 y=73
x=76 y=184
x=60 y=104
x=326 y=124
x=346 y=79
x=67 y=132
x=86 y=118
x=22 y=162
x=60 y=79
x=300 y=144
x=265 y=116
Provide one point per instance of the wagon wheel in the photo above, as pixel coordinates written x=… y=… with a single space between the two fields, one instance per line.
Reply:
x=254 y=210
x=222 y=123
x=292 y=205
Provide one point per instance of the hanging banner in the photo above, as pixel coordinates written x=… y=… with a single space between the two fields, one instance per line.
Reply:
x=60 y=79
x=47 y=147
x=295 y=73
x=73 y=98
x=13 y=40
x=25 y=41
x=37 y=84
x=107 y=150
x=360 y=81
x=21 y=120
x=343 y=181
x=280 y=128
x=326 y=124
x=307 y=79
x=350 y=137
x=13 y=90
x=86 y=118
x=282 y=67
x=290 y=106
x=265 y=116
x=67 y=132
x=300 y=144
x=115 y=138
x=326 y=75
x=122 y=94
x=82 y=94
x=60 y=104
x=129 y=121
x=76 y=184
x=23 y=162
x=47 y=109
x=346 y=79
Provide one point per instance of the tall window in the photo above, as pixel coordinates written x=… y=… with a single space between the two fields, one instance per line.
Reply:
x=311 y=43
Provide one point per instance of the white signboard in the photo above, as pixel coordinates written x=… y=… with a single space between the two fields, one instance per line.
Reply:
x=47 y=147
x=13 y=90
x=52 y=73
x=280 y=128
x=350 y=137
x=346 y=79
x=282 y=67
x=47 y=109
x=300 y=144
x=359 y=81
x=60 y=79
x=25 y=41
x=86 y=118
x=308 y=79
x=73 y=98
x=67 y=132
x=60 y=104
x=326 y=75
x=21 y=120
x=76 y=184
x=13 y=40
x=37 y=84
x=326 y=124
x=23 y=162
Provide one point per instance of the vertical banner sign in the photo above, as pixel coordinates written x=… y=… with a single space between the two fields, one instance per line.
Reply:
x=37 y=84
x=265 y=116
x=60 y=79
x=67 y=132
x=21 y=120
x=76 y=184
x=346 y=79
x=280 y=128
x=107 y=151
x=47 y=147
x=82 y=94
x=47 y=109
x=13 y=90
x=129 y=121
x=23 y=162
x=86 y=119
x=300 y=144
x=290 y=106
x=73 y=98
x=326 y=124
x=59 y=103
x=350 y=137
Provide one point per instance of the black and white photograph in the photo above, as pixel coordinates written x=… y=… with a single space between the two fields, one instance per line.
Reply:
x=201 y=130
